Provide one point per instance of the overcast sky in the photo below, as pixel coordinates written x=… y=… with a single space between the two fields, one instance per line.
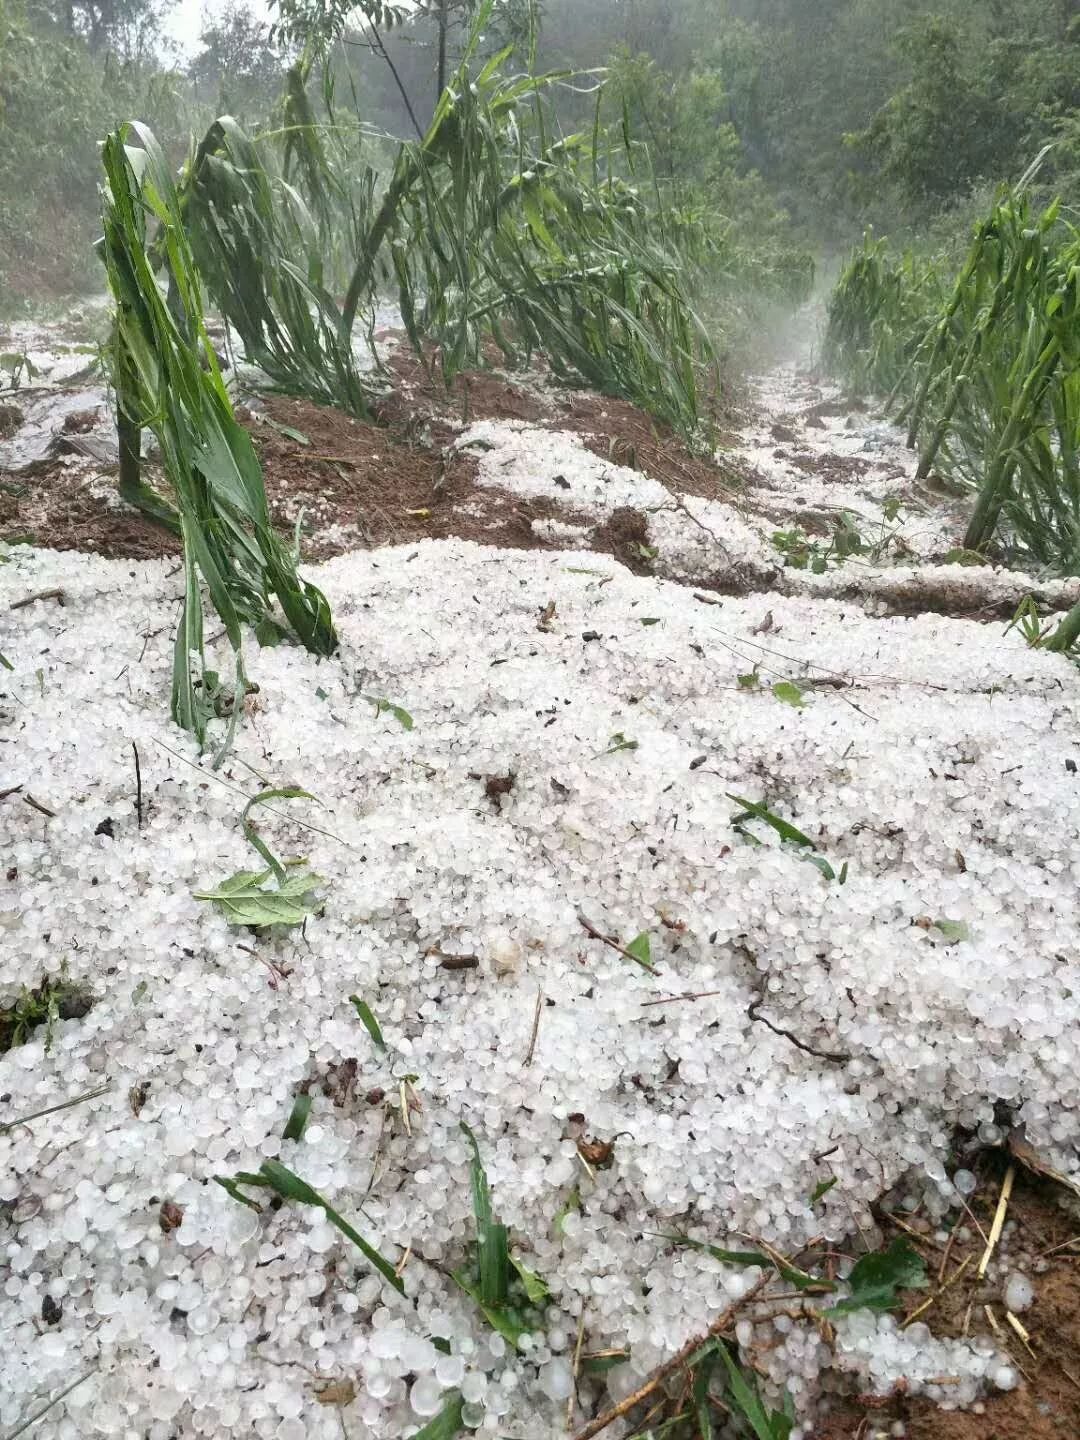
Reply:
x=184 y=20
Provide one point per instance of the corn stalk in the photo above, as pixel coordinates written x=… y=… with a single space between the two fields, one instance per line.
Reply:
x=985 y=371
x=170 y=382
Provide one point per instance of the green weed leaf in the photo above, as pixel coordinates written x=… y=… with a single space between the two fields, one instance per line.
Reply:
x=875 y=1279
x=640 y=949
x=244 y=899
x=387 y=707
x=789 y=693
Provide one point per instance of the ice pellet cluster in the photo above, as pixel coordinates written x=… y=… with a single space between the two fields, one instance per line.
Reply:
x=577 y=737
x=695 y=539
x=951 y=1372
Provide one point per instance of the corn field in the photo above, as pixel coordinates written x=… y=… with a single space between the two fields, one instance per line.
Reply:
x=167 y=377
x=984 y=371
x=493 y=229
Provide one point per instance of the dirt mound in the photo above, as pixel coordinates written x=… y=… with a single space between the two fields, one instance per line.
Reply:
x=356 y=483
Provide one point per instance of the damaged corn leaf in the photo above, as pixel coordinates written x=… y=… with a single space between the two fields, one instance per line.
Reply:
x=507 y=1293
x=167 y=376
x=276 y=1177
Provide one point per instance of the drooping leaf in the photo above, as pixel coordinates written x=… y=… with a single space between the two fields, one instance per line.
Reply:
x=289 y=1186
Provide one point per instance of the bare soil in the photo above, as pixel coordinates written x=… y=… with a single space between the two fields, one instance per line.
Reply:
x=358 y=483
x=1046 y=1403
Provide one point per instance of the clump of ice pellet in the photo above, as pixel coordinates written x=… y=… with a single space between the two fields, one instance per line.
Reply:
x=952 y=1372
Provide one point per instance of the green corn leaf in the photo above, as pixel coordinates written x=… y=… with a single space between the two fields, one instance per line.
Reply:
x=298 y=1118
x=371 y=1025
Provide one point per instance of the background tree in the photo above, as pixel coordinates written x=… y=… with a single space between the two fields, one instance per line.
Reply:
x=237 y=69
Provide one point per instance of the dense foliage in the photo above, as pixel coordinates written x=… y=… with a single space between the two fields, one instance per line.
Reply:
x=757 y=112
x=983 y=368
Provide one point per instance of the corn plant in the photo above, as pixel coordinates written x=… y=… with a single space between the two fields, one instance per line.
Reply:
x=985 y=371
x=167 y=378
x=493 y=228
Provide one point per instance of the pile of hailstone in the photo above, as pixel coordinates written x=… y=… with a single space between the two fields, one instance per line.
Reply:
x=608 y=714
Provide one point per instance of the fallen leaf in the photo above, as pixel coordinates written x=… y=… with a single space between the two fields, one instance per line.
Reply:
x=170 y=1216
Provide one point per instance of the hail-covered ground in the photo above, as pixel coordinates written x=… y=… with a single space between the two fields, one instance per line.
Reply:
x=513 y=756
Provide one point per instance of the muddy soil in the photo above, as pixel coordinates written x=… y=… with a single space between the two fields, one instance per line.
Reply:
x=1044 y=1219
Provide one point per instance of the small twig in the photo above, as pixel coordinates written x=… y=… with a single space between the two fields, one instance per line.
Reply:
x=999 y=1219
x=837 y=1057
x=572 y=1400
x=590 y=929
x=719 y=1325
x=55 y=594
x=921 y=1309
x=1025 y=1336
x=28 y=799
x=52 y=1109
x=1063 y=1246
x=138 y=784
x=972 y=1217
x=671 y=999
x=535 y=1026
x=948 y=1249
x=33 y=1419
